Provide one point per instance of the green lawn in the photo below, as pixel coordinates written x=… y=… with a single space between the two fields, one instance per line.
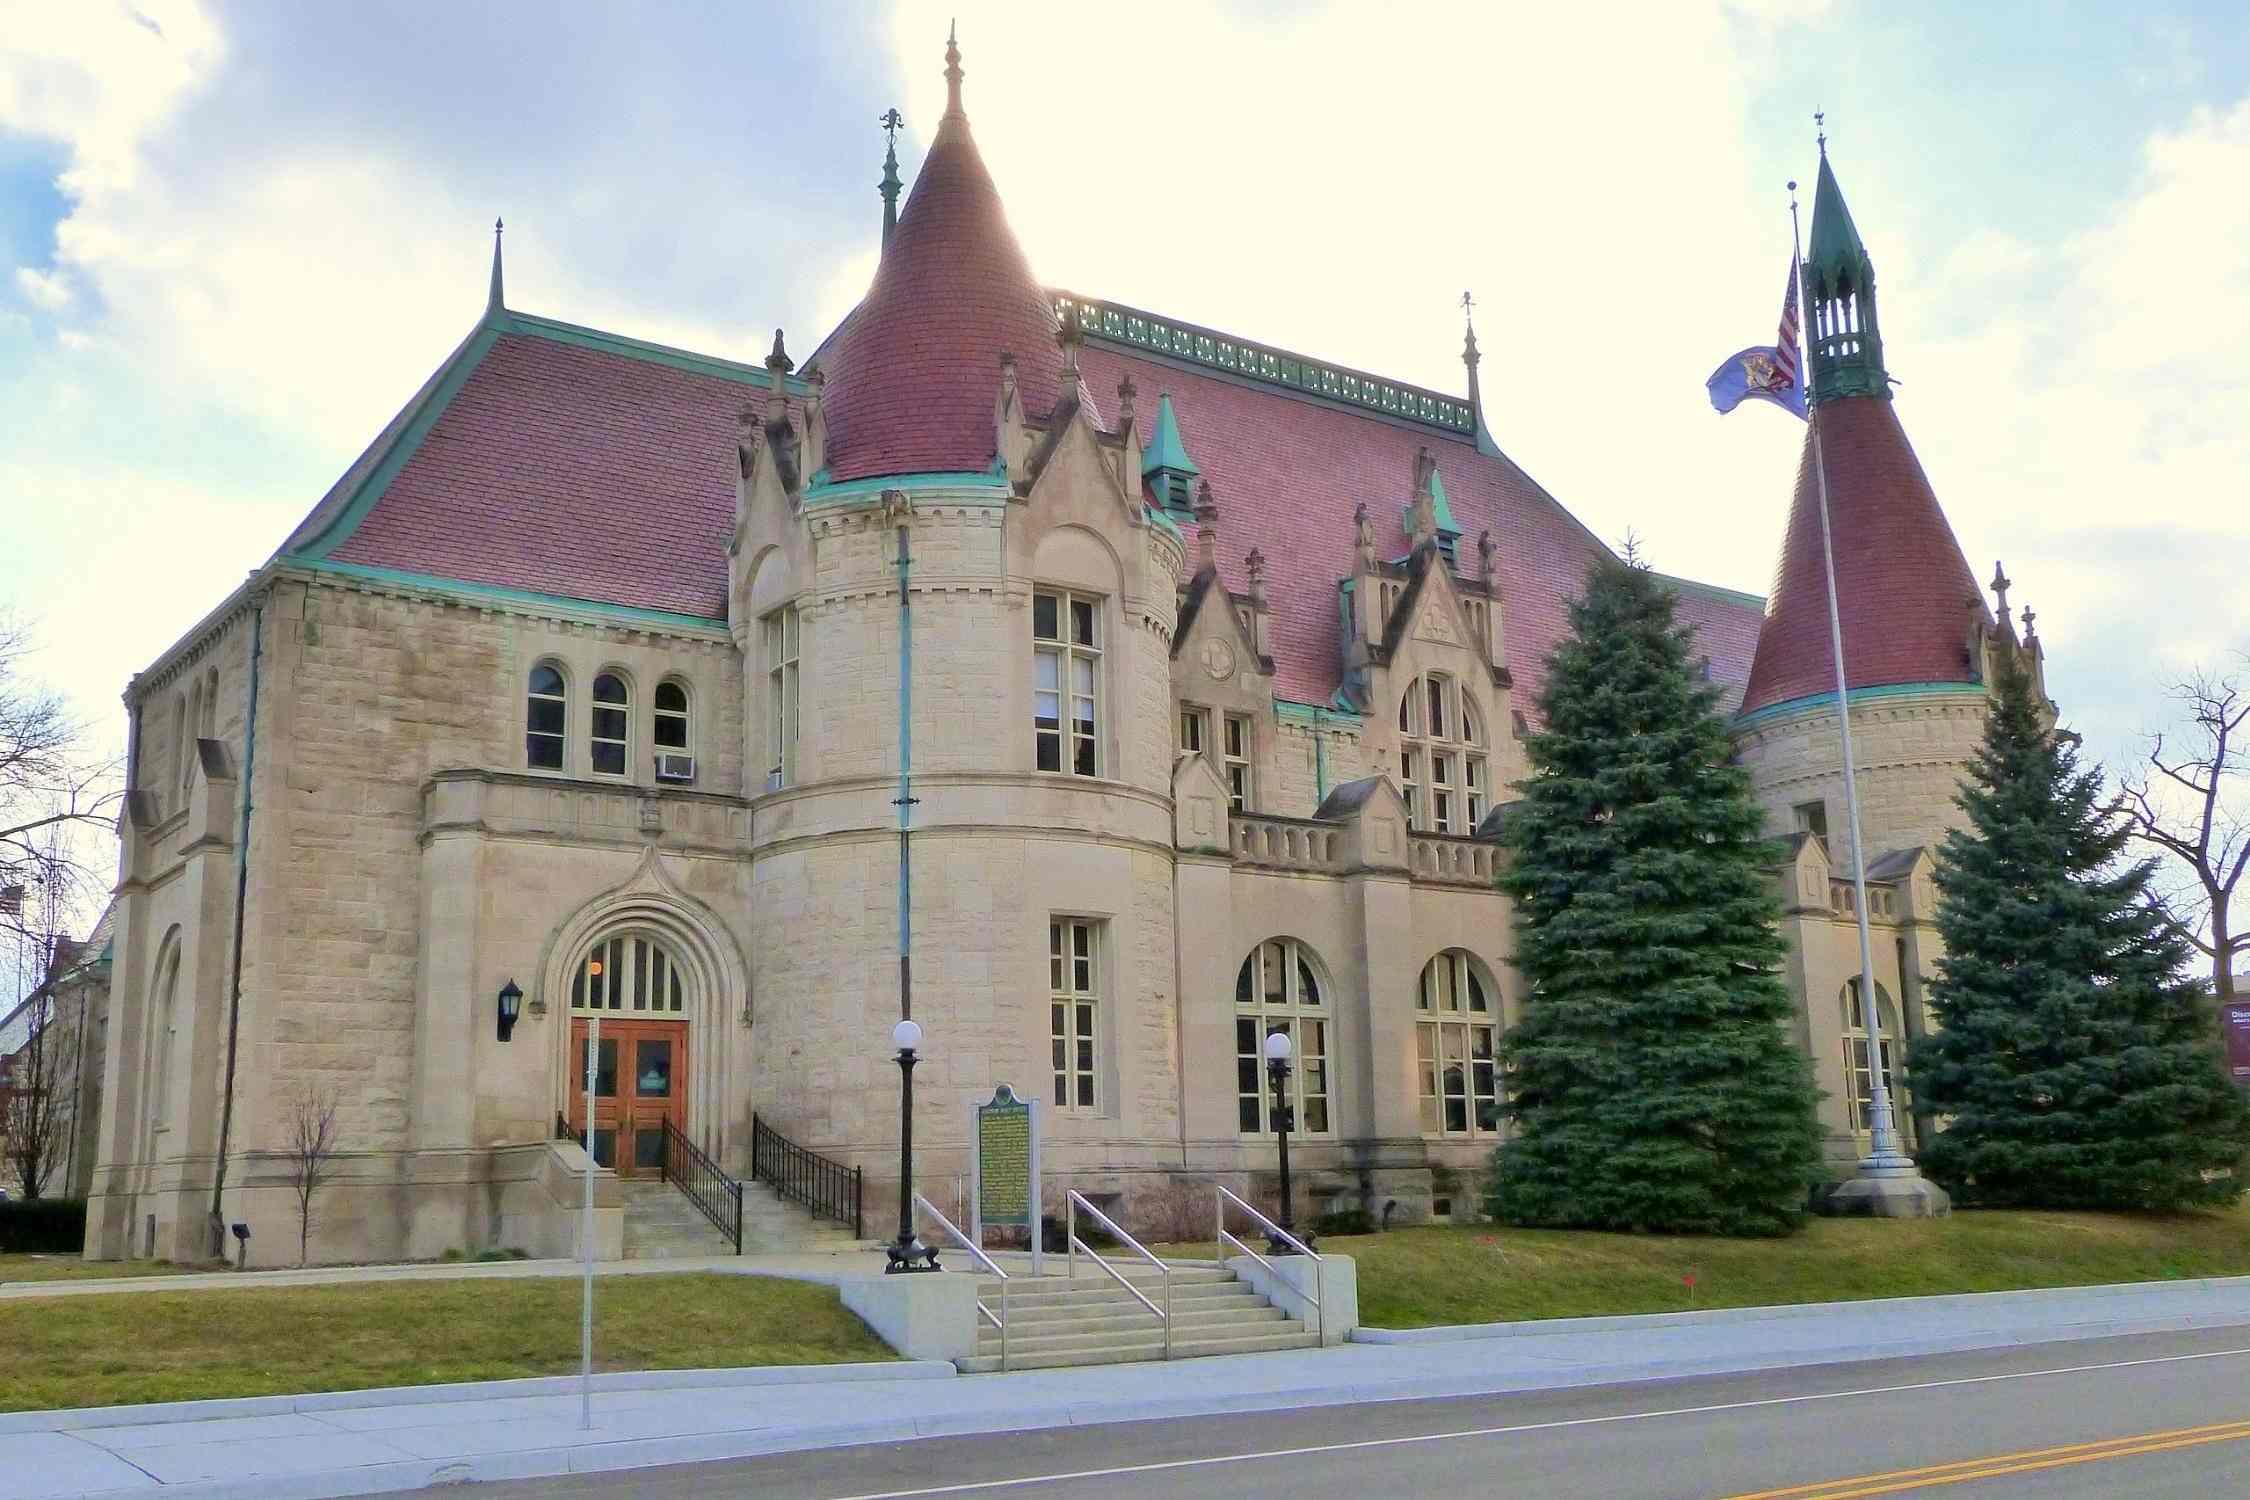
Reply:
x=70 y=1267
x=181 y=1346
x=1412 y=1278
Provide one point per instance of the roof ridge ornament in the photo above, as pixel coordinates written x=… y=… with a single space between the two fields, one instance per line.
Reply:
x=953 y=70
x=891 y=183
x=495 y=301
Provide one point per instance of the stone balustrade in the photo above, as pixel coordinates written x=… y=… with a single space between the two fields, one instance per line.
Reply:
x=1286 y=843
x=1449 y=860
x=1882 y=901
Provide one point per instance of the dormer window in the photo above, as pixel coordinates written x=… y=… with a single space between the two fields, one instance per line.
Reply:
x=1443 y=771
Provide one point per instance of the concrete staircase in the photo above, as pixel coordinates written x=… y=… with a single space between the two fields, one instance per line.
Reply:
x=1094 y=1321
x=662 y=1224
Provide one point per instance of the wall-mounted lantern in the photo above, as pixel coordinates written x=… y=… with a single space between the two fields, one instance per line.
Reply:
x=511 y=1006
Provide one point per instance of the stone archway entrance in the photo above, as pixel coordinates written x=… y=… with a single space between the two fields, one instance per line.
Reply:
x=632 y=984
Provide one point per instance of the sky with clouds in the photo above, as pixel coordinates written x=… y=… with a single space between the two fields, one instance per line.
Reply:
x=234 y=237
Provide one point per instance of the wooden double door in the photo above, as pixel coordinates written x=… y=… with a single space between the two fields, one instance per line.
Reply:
x=640 y=1084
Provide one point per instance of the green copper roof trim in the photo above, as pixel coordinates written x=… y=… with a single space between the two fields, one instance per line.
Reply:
x=1165 y=450
x=987 y=488
x=559 y=332
x=1712 y=591
x=1194 y=345
x=1834 y=248
x=1156 y=513
x=346 y=521
x=475 y=592
x=1859 y=695
x=1315 y=715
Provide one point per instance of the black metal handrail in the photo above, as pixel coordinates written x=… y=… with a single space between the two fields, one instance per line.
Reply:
x=716 y=1195
x=563 y=1132
x=828 y=1189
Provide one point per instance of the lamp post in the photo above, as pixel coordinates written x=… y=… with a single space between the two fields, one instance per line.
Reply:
x=1277 y=1069
x=511 y=1006
x=907 y=1253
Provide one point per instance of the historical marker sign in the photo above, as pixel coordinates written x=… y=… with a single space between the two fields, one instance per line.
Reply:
x=1006 y=1166
x=2235 y=1015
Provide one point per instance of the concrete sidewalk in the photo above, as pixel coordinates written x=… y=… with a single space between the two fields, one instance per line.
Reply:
x=371 y=1442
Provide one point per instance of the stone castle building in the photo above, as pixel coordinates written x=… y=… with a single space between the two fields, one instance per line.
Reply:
x=586 y=681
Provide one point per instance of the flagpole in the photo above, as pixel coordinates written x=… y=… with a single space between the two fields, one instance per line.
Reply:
x=1885 y=1156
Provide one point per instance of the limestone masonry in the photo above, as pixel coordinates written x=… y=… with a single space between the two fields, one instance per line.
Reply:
x=585 y=680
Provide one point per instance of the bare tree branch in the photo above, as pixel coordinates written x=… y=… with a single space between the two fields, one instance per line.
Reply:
x=309 y=1147
x=2195 y=808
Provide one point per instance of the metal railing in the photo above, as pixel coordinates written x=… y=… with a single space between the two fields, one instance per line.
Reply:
x=716 y=1196
x=998 y=1319
x=1275 y=1235
x=1076 y=1201
x=827 y=1189
x=563 y=1132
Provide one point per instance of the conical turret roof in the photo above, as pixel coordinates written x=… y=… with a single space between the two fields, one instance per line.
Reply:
x=1904 y=591
x=913 y=376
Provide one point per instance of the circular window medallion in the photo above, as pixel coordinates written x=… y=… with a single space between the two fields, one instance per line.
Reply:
x=1218 y=659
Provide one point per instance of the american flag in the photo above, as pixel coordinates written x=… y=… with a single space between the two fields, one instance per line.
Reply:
x=1785 y=346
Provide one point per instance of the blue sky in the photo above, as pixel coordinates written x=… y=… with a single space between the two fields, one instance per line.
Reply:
x=234 y=237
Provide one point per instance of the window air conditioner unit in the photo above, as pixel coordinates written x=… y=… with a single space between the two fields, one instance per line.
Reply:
x=672 y=766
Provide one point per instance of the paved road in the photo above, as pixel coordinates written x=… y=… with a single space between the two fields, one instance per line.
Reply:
x=2155 y=1415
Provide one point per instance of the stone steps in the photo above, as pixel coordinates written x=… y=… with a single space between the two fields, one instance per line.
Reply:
x=1053 y=1323
x=662 y=1223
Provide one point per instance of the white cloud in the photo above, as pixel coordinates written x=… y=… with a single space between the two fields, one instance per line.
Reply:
x=100 y=75
x=47 y=290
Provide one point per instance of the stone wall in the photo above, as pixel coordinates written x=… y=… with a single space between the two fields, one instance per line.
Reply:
x=1912 y=751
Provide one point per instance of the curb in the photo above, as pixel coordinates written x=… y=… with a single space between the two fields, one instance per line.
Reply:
x=634 y=1453
x=1967 y=1302
x=160 y=1413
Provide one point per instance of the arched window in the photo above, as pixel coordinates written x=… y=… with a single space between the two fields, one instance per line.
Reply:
x=191 y=722
x=163 y=1026
x=546 y=715
x=1457 y=1038
x=610 y=728
x=669 y=717
x=1859 y=1087
x=1279 y=991
x=628 y=974
x=1443 y=770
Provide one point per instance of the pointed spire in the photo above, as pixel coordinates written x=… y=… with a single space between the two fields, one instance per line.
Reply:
x=494 y=301
x=1846 y=340
x=952 y=71
x=1166 y=468
x=1471 y=358
x=2000 y=586
x=890 y=184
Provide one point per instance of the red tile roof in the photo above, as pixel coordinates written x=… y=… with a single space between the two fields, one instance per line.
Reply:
x=1288 y=471
x=1905 y=594
x=561 y=469
x=913 y=375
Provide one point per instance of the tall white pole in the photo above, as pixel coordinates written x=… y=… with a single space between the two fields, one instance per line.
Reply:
x=586 y=1239
x=1885 y=1153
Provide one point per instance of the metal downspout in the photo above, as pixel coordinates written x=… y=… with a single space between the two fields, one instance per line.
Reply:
x=241 y=902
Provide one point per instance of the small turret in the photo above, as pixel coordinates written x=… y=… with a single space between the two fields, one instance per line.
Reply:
x=1166 y=468
x=1847 y=342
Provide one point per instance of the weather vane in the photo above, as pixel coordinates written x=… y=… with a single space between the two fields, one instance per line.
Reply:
x=1468 y=304
x=1820 y=125
x=891 y=122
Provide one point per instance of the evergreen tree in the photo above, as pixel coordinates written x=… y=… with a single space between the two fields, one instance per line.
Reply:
x=1652 y=1081
x=2070 y=1056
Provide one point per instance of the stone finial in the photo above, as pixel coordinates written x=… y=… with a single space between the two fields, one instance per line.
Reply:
x=2000 y=587
x=1206 y=529
x=1363 y=537
x=952 y=70
x=2030 y=625
x=1425 y=500
x=1070 y=335
x=1126 y=391
x=1256 y=563
x=1007 y=379
x=1487 y=551
x=778 y=365
x=747 y=431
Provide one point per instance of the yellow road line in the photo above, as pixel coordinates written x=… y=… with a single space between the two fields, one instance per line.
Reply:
x=1995 y=1465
